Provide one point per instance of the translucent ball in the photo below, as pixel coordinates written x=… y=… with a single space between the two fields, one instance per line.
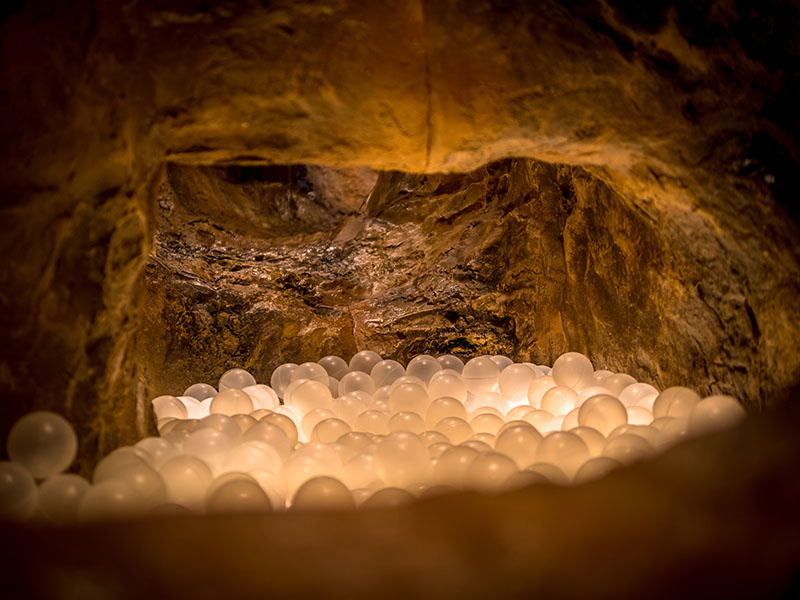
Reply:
x=310 y=370
x=308 y=395
x=270 y=434
x=639 y=415
x=402 y=459
x=193 y=408
x=647 y=401
x=373 y=421
x=489 y=471
x=423 y=367
x=386 y=372
x=570 y=420
x=480 y=374
x=166 y=407
x=406 y=421
x=588 y=392
x=523 y=479
x=285 y=423
x=263 y=396
x=431 y=437
x=210 y=445
x=109 y=500
x=272 y=486
x=364 y=361
x=632 y=393
x=231 y=401
x=251 y=456
x=673 y=432
x=715 y=413
x=573 y=370
x=595 y=468
x=538 y=387
x=454 y=429
x=408 y=397
x=447 y=385
x=186 y=479
x=348 y=407
x=600 y=376
x=238 y=495
x=475 y=444
x=244 y=422
x=448 y=361
x=335 y=366
x=603 y=413
x=42 y=442
x=281 y=378
x=628 y=448
x=439 y=448
x=516 y=413
x=329 y=430
x=565 y=450
x=145 y=481
x=542 y=420
x=323 y=493
x=451 y=468
x=116 y=460
x=200 y=391
x=235 y=379
x=390 y=497
x=486 y=399
x=675 y=402
x=158 y=450
x=382 y=394
x=593 y=439
x=501 y=361
x=559 y=400
x=17 y=492
x=357 y=381
x=617 y=382
x=404 y=380
x=515 y=380
x=360 y=471
x=379 y=405
x=486 y=423
x=355 y=440
x=60 y=497
x=312 y=418
x=553 y=474
x=222 y=423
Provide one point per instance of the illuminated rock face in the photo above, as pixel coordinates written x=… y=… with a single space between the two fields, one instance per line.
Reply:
x=686 y=116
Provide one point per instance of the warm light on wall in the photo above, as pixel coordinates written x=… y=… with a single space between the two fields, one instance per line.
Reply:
x=371 y=433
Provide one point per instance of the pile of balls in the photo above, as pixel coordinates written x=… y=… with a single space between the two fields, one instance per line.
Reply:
x=369 y=433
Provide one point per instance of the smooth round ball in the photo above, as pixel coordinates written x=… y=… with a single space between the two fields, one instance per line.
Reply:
x=448 y=361
x=17 y=492
x=272 y=435
x=231 y=401
x=238 y=495
x=285 y=423
x=110 y=500
x=263 y=396
x=617 y=382
x=386 y=372
x=451 y=466
x=43 y=442
x=455 y=429
x=514 y=382
x=389 y=497
x=480 y=374
x=715 y=413
x=573 y=370
x=423 y=367
x=166 y=407
x=357 y=381
x=402 y=459
x=603 y=413
x=60 y=497
x=406 y=421
x=329 y=430
x=520 y=443
x=442 y=408
x=186 y=478
x=364 y=361
x=488 y=472
x=565 y=450
x=281 y=378
x=676 y=402
x=446 y=384
x=632 y=393
x=628 y=448
x=559 y=400
x=335 y=366
x=323 y=493
x=251 y=456
x=408 y=397
x=523 y=479
x=200 y=391
x=158 y=450
x=308 y=395
x=595 y=468
x=486 y=423
x=310 y=370
x=373 y=421
x=235 y=379
x=538 y=388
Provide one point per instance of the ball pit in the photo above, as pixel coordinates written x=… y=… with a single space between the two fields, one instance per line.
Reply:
x=336 y=435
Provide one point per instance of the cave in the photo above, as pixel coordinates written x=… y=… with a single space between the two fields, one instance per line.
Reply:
x=190 y=187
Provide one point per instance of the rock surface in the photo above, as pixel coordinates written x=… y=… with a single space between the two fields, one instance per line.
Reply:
x=686 y=113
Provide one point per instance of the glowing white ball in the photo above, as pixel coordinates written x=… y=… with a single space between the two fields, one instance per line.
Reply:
x=42 y=442
x=402 y=459
x=423 y=367
x=200 y=391
x=166 y=407
x=231 y=401
x=448 y=361
x=237 y=495
x=281 y=378
x=235 y=379
x=573 y=370
x=675 y=401
x=60 y=497
x=335 y=366
x=364 y=361
x=514 y=382
x=17 y=492
x=447 y=385
x=603 y=413
x=488 y=472
x=538 y=388
x=595 y=468
x=480 y=374
x=715 y=413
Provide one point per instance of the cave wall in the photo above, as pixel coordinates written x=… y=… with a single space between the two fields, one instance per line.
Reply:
x=687 y=109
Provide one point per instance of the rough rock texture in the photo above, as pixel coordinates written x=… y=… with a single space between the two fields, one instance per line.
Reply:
x=686 y=111
x=517 y=258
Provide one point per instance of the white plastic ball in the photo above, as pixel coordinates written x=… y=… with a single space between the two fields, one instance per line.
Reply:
x=447 y=385
x=281 y=378
x=271 y=434
x=617 y=382
x=402 y=459
x=455 y=429
x=373 y=421
x=639 y=415
x=448 y=361
x=486 y=423
x=222 y=423
x=423 y=367
x=553 y=474
x=514 y=382
x=329 y=430
x=60 y=497
x=231 y=401
x=116 y=460
x=593 y=439
x=406 y=421
x=335 y=366
x=200 y=391
x=364 y=361
x=523 y=479
x=628 y=448
x=357 y=381
x=573 y=370
x=632 y=393
x=209 y=445
x=110 y=500
x=408 y=397
x=520 y=443
x=251 y=456
x=238 y=495
x=603 y=413
x=285 y=423
x=538 y=388
x=452 y=465
x=43 y=442
x=165 y=407
x=480 y=374
x=676 y=402
x=544 y=421
x=715 y=413
x=565 y=450
x=235 y=379
x=390 y=497
x=323 y=493
x=488 y=472
x=158 y=450
x=595 y=468
x=263 y=396
x=386 y=372
x=308 y=395
x=310 y=370
x=559 y=400
x=17 y=492
x=186 y=478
